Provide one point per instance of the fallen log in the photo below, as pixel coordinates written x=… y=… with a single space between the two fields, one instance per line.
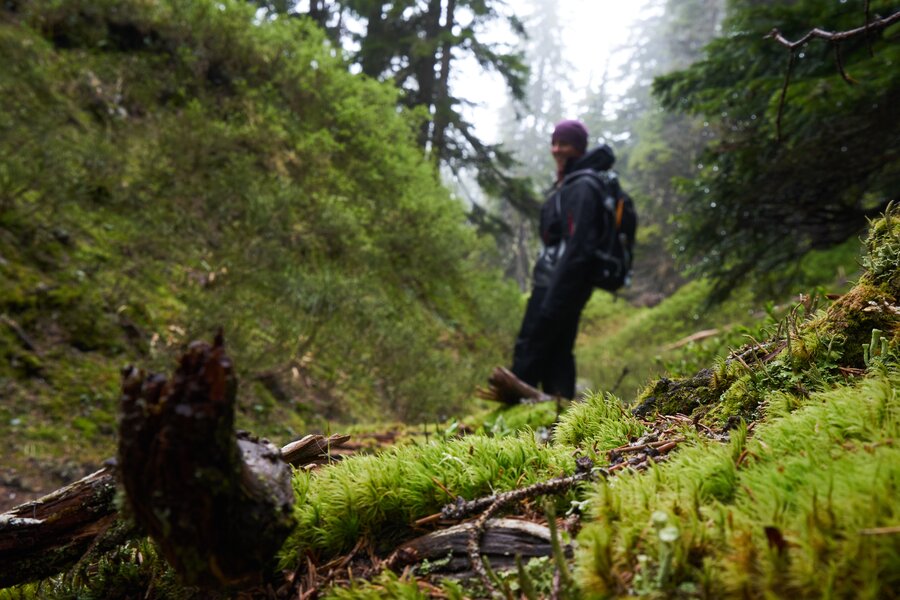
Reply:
x=48 y=535
x=501 y=542
x=505 y=387
x=39 y=538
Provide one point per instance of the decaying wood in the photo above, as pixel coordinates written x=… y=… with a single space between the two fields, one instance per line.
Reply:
x=491 y=505
x=38 y=537
x=502 y=540
x=311 y=449
x=48 y=535
x=505 y=387
x=218 y=507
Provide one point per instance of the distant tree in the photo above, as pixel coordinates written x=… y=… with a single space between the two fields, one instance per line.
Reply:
x=654 y=146
x=764 y=195
x=526 y=125
x=417 y=44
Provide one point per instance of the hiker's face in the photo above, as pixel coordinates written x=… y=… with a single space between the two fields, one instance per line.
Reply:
x=562 y=152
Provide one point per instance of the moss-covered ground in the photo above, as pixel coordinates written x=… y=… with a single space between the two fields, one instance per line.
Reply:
x=126 y=206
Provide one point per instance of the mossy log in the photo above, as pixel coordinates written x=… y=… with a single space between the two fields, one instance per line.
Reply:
x=219 y=507
x=45 y=536
x=873 y=304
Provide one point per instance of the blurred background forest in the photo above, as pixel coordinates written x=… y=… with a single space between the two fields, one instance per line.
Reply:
x=311 y=178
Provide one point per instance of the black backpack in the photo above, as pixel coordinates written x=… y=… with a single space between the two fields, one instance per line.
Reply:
x=615 y=253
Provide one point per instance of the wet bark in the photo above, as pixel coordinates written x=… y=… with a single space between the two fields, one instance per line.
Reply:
x=219 y=507
x=502 y=541
x=37 y=537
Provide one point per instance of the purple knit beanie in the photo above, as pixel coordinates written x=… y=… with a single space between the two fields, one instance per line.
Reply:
x=571 y=132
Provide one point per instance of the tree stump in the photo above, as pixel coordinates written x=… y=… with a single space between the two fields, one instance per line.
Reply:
x=218 y=505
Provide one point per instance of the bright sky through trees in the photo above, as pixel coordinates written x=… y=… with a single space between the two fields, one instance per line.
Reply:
x=596 y=31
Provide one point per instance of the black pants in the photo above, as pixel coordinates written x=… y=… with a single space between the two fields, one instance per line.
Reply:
x=543 y=352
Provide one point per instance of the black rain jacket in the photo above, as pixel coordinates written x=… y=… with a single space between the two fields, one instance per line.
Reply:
x=571 y=221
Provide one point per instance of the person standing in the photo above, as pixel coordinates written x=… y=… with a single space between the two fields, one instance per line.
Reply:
x=570 y=225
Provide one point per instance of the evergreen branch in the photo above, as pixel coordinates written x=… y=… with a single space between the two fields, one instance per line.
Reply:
x=833 y=37
x=838 y=36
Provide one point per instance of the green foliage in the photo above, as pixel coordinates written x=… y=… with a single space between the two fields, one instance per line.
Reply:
x=621 y=347
x=389 y=585
x=784 y=513
x=506 y=420
x=170 y=168
x=627 y=346
x=883 y=248
x=135 y=569
x=761 y=198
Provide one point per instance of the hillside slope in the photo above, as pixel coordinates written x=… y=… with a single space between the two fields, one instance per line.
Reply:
x=170 y=168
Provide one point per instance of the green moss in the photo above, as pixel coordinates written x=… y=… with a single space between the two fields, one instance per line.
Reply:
x=816 y=477
x=883 y=249
x=509 y=419
x=598 y=423
x=379 y=497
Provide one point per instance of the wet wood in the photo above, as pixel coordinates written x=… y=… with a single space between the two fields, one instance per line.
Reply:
x=505 y=387
x=312 y=449
x=501 y=541
x=218 y=506
x=37 y=537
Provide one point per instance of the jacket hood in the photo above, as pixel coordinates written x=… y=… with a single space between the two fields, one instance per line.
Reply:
x=600 y=158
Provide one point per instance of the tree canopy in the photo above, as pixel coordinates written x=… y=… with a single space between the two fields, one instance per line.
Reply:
x=418 y=46
x=779 y=179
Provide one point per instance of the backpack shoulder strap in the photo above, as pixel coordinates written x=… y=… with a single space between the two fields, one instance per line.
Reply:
x=600 y=181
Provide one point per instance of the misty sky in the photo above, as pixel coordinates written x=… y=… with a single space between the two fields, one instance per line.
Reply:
x=594 y=29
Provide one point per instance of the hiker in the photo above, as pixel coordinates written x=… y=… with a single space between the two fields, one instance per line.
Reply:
x=562 y=276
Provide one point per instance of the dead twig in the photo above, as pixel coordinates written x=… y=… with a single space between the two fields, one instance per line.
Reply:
x=462 y=508
x=839 y=36
x=694 y=337
x=835 y=38
x=619 y=380
x=490 y=505
x=19 y=333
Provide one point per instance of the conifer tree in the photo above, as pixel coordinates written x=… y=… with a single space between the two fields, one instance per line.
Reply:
x=803 y=141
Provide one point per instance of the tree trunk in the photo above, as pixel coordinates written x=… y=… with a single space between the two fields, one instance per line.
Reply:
x=218 y=507
x=425 y=66
x=442 y=106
